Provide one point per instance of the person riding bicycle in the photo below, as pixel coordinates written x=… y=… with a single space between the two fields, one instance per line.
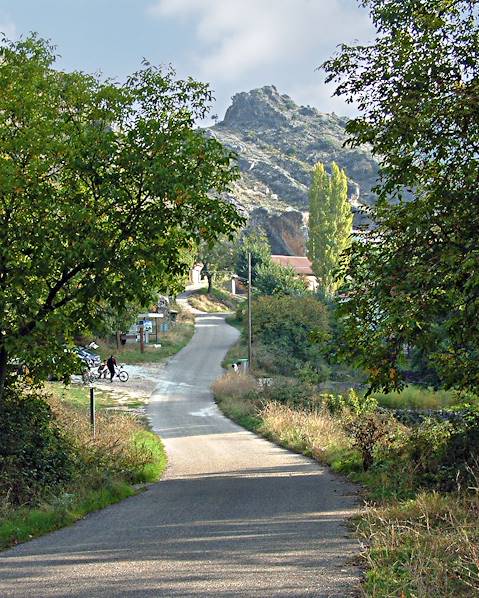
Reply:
x=111 y=365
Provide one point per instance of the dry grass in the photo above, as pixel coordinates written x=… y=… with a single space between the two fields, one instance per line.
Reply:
x=236 y=394
x=427 y=546
x=208 y=303
x=113 y=449
x=235 y=385
x=310 y=432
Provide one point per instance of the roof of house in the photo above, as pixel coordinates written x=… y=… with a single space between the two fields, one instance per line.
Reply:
x=300 y=264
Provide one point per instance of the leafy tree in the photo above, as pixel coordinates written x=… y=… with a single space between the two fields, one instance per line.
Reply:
x=415 y=280
x=256 y=242
x=330 y=224
x=106 y=189
x=218 y=258
x=275 y=279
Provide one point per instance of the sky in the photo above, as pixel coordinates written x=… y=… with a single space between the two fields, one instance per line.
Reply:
x=235 y=45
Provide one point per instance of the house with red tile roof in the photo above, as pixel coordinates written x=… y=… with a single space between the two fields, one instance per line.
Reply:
x=301 y=265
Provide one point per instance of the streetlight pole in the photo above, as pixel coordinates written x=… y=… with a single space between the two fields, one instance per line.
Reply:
x=250 y=355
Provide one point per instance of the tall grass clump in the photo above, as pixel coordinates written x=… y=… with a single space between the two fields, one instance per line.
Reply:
x=314 y=433
x=237 y=395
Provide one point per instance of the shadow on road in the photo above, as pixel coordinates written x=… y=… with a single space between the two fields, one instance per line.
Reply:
x=243 y=523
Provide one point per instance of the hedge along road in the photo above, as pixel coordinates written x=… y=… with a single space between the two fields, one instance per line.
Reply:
x=234 y=515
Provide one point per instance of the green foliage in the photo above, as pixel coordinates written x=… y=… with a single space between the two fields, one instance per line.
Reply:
x=275 y=279
x=316 y=374
x=285 y=323
x=352 y=403
x=106 y=191
x=218 y=258
x=330 y=224
x=254 y=241
x=445 y=454
x=287 y=391
x=413 y=397
x=36 y=455
x=414 y=281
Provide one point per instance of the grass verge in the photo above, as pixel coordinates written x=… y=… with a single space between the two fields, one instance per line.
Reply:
x=108 y=468
x=25 y=523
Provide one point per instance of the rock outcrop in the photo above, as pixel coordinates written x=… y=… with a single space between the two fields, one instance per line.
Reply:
x=277 y=143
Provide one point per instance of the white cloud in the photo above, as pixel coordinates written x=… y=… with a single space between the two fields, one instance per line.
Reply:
x=241 y=37
x=321 y=95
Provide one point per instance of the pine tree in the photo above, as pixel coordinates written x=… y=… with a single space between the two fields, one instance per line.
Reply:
x=330 y=224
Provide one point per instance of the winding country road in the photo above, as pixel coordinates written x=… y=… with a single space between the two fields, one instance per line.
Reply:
x=233 y=516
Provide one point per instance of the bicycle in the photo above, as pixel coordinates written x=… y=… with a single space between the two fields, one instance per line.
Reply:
x=121 y=373
x=92 y=375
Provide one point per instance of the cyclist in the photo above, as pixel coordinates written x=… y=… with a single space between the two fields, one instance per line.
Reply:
x=111 y=365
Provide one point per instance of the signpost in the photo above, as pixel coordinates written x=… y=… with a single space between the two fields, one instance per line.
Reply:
x=92 y=410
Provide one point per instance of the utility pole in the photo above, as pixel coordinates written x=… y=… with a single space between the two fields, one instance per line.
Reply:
x=250 y=353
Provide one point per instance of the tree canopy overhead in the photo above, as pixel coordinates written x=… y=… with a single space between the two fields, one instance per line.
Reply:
x=105 y=190
x=416 y=280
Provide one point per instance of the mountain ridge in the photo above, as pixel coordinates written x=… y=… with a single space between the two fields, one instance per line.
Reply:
x=277 y=143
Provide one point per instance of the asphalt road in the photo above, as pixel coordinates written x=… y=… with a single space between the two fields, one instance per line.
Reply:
x=234 y=515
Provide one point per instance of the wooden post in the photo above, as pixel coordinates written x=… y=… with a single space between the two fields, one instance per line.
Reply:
x=142 y=339
x=250 y=352
x=92 y=411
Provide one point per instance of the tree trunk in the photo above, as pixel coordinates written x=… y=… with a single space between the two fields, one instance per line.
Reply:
x=210 y=281
x=3 y=371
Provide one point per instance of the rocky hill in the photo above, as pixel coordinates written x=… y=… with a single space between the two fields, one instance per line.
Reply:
x=277 y=143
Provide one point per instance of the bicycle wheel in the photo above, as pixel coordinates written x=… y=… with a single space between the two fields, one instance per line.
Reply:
x=123 y=376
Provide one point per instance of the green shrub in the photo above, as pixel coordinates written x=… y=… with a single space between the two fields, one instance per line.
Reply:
x=285 y=324
x=275 y=279
x=446 y=453
x=352 y=402
x=309 y=374
x=291 y=392
x=35 y=455
x=367 y=428
x=334 y=403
